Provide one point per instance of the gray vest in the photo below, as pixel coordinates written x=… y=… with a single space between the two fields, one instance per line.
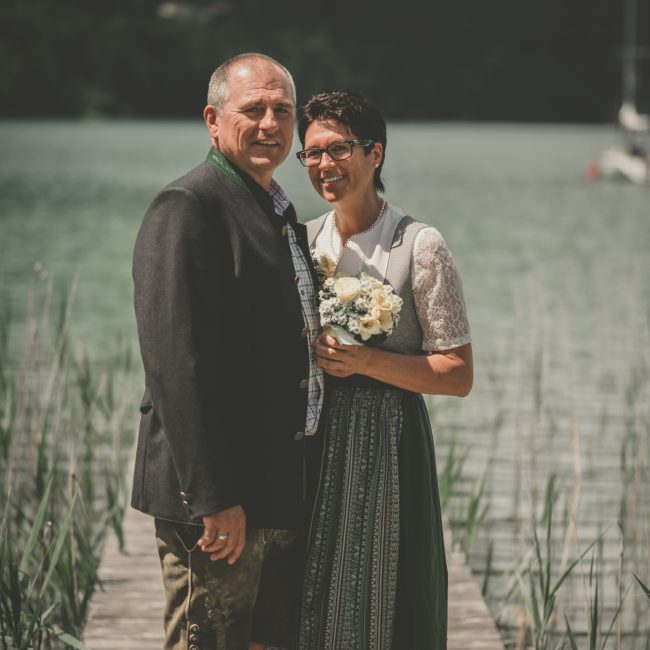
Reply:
x=407 y=336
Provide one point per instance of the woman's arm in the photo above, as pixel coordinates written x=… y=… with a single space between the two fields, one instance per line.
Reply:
x=448 y=372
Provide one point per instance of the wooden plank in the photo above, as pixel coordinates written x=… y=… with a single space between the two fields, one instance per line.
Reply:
x=470 y=626
x=127 y=613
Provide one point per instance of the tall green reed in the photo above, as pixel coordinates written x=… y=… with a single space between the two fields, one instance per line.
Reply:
x=65 y=433
x=539 y=580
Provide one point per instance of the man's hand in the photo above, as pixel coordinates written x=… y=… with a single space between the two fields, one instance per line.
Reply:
x=224 y=534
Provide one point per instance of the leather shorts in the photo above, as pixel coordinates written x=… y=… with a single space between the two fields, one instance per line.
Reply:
x=212 y=605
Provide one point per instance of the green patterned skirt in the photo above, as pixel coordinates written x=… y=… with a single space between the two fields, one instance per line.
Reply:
x=375 y=575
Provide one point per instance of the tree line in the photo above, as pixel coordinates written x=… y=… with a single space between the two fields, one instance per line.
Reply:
x=528 y=60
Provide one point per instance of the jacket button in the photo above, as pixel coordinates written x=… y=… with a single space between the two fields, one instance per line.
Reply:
x=194 y=647
x=299 y=435
x=304 y=332
x=185 y=502
x=303 y=383
x=284 y=230
x=194 y=628
x=194 y=638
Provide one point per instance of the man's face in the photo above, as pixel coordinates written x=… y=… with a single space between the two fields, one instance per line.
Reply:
x=255 y=129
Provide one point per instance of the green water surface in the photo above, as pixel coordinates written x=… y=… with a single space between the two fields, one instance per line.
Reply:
x=555 y=266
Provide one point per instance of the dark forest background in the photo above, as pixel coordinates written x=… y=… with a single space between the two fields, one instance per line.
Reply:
x=510 y=60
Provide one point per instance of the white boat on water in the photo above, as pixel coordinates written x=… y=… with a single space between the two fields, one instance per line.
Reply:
x=619 y=163
x=630 y=161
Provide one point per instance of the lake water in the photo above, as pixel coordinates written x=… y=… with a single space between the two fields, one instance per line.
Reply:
x=556 y=272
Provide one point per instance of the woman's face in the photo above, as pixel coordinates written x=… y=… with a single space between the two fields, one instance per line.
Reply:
x=340 y=180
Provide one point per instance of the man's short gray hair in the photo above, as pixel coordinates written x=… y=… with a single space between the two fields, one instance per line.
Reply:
x=219 y=88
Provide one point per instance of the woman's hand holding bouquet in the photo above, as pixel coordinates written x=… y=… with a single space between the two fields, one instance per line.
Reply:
x=353 y=310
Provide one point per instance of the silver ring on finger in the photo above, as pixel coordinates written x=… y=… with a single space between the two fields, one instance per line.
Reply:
x=222 y=537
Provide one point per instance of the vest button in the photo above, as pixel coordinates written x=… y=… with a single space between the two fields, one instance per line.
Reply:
x=299 y=435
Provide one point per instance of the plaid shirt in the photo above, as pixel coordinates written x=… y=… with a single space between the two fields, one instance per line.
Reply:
x=310 y=316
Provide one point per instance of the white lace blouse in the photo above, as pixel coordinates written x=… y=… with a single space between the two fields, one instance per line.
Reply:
x=436 y=284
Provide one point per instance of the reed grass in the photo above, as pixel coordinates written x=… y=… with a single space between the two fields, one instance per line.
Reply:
x=543 y=424
x=65 y=433
x=535 y=578
x=538 y=582
x=452 y=473
x=644 y=587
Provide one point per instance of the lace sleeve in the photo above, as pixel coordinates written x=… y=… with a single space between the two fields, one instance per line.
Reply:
x=438 y=293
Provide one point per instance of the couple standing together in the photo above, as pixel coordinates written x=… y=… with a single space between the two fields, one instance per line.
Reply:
x=292 y=478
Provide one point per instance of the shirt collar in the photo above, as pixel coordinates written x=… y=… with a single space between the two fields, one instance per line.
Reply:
x=220 y=162
x=274 y=195
x=280 y=199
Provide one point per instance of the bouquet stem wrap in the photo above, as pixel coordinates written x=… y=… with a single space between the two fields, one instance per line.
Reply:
x=341 y=335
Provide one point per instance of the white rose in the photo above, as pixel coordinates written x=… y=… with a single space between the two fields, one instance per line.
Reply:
x=381 y=299
x=386 y=320
x=368 y=326
x=396 y=304
x=346 y=288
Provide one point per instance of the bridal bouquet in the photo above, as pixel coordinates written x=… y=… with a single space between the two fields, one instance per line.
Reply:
x=355 y=308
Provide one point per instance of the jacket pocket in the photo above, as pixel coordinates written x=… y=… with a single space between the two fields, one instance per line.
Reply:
x=146 y=404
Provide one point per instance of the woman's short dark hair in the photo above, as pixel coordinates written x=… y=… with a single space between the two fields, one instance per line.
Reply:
x=351 y=110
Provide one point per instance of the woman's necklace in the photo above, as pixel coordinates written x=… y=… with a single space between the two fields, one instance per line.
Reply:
x=342 y=246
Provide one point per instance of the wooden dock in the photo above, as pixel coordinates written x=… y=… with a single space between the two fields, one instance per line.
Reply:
x=127 y=613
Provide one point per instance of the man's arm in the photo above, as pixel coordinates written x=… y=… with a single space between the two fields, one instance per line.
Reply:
x=182 y=276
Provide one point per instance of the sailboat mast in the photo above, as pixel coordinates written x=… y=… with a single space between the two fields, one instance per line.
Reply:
x=629 y=52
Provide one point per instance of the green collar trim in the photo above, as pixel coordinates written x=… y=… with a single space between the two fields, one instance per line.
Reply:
x=220 y=162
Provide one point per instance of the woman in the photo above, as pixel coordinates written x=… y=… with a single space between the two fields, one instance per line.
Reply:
x=375 y=575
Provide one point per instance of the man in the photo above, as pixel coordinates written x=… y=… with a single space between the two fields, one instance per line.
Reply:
x=224 y=299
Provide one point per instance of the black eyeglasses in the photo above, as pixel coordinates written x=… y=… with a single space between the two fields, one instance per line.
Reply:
x=336 y=151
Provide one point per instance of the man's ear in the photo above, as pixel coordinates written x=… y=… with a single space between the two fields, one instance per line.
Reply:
x=212 y=122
